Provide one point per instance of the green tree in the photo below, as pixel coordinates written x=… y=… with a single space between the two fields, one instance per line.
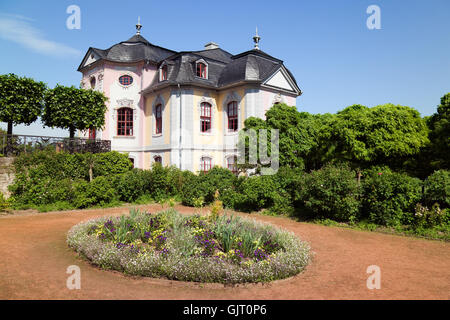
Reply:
x=302 y=136
x=74 y=109
x=439 y=124
x=20 y=100
x=386 y=134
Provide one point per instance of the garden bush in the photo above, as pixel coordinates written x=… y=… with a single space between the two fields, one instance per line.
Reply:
x=109 y=163
x=389 y=197
x=332 y=192
x=205 y=186
x=35 y=190
x=132 y=184
x=193 y=188
x=437 y=189
x=99 y=191
x=4 y=203
x=425 y=217
x=217 y=178
x=222 y=249
x=45 y=176
x=165 y=181
x=258 y=192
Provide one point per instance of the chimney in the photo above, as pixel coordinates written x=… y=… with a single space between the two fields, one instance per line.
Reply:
x=211 y=45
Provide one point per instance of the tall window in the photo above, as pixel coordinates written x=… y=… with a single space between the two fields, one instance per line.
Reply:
x=164 y=73
x=158 y=159
x=201 y=70
x=205 y=117
x=205 y=164
x=232 y=164
x=232 y=112
x=132 y=161
x=92 y=133
x=125 y=122
x=158 y=118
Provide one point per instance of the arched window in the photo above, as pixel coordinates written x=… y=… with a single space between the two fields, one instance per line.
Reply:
x=201 y=70
x=158 y=119
x=205 y=164
x=126 y=80
x=205 y=117
x=158 y=159
x=125 y=122
x=232 y=112
x=232 y=164
x=164 y=72
x=132 y=161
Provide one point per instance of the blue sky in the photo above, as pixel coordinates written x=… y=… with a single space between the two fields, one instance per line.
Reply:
x=335 y=58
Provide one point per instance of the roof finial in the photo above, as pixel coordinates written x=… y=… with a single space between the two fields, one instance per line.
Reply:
x=138 y=26
x=256 y=39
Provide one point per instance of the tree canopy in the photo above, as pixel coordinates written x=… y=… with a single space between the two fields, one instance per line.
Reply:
x=21 y=100
x=439 y=124
x=74 y=109
x=385 y=134
x=361 y=136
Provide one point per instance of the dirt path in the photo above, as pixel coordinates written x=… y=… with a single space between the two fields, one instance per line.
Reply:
x=34 y=257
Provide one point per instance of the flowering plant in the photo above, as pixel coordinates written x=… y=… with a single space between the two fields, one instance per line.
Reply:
x=190 y=248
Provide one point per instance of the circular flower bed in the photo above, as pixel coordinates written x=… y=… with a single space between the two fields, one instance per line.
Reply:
x=225 y=249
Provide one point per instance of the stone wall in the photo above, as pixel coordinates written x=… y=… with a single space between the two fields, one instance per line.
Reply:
x=6 y=174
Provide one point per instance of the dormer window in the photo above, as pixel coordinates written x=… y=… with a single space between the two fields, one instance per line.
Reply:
x=164 y=72
x=202 y=70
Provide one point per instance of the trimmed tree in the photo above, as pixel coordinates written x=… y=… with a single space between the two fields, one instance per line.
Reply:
x=386 y=134
x=300 y=135
x=74 y=109
x=21 y=100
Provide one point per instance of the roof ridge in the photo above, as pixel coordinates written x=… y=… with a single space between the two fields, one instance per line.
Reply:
x=258 y=53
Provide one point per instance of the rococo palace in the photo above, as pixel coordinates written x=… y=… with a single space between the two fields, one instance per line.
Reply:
x=182 y=108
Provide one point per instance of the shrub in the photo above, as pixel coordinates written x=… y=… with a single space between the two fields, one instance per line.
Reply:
x=257 y=192
x=109 y=163
x=193 y=188
x=35 y=190
x=332 y=192
x=217 y=178
x=231 y=199
x=132 y=184
x=165 y=181
x=390 y=197
x=98 y=192
x=437 y=189
x=46 y=176
x=3 y=202
x=428 y=218
x=291 y=184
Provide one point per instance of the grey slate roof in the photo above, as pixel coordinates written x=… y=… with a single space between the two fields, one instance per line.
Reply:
x=137 y=48
x=253 y=65
x=223 y=68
